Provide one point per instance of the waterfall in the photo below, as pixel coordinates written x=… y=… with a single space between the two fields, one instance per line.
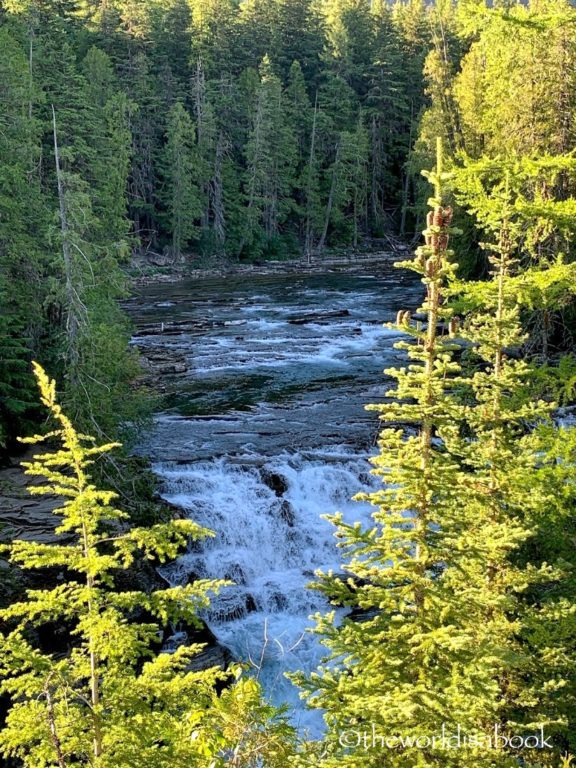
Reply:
x=270 y=539
x=265 y=433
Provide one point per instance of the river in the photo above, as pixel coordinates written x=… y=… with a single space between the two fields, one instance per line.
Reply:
x=265 y=432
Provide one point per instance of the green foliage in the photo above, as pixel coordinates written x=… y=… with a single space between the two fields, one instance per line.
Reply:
x=170 y=140
x=181 y=193
x=270 y=159
x=451 y=596
x=113 y=700
x=120 y=71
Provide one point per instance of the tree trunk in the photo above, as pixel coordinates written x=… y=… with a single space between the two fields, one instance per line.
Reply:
x=72 y=319
x=52 y=725
x=309 y=238
x=218 y=191
x=200 y=109
x=330 y=200
x=406 y=180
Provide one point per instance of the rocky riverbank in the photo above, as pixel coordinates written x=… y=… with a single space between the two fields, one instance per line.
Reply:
x=156 y=268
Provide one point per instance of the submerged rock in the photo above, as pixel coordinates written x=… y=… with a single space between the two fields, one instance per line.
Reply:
x=287 y=513
x=318 y=317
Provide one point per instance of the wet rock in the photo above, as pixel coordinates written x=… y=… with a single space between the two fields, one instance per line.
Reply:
x=318 y=317
x=157 y=362
x=26 y=517
x=280 y=601
x=275 y=482
x=141 y=576
x=250 y=604
x=287 y=513
x=235 y=574
x=177 y=327
x=193 y=576
x=213 y=656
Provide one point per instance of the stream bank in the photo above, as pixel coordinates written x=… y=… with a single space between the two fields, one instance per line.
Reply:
x=157 y=269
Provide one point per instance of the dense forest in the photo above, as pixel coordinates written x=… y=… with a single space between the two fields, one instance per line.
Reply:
x=252 y=131
x=188 y=133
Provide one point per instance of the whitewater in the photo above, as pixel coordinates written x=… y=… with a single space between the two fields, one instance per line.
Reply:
x=265 y=433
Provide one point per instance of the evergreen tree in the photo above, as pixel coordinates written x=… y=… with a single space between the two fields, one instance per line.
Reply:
x=532 y=468
x=22 y=215
x=209 y=158
x=389 y=115
x=147 y=132
x=113 y=700
x=391 y=566
x=270 y=159
x=112 y=143
x=438 y=579
x=181 y=193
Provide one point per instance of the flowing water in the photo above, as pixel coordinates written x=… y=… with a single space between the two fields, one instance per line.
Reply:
x=265 y=433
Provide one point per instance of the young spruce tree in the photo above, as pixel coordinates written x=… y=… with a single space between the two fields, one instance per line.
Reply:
x=437 y=648
x=112 y=701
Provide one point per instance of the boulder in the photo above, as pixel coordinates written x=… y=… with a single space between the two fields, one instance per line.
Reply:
x=275 y=482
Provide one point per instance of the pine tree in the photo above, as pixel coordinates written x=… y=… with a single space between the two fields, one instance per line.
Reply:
x=529 y=109
x=371 y=679
x=147 y=132
x=350 y=34
x=439 y=642
x=113 y=700
x=300 y=115
x=348 y=194
x=181 y=193
x=389 y=115
x=512 y=97
x=270 y=161
x=530 y=469
x=23 y=215
x=111 y=140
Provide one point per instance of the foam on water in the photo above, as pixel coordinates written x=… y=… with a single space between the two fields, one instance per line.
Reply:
x=269 y=542
x=264 y=345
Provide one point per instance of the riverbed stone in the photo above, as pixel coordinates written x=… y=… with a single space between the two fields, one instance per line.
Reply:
x=274 y=481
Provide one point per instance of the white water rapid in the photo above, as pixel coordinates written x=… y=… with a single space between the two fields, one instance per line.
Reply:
x=264 y=434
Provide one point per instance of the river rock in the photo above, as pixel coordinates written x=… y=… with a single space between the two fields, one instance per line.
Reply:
x=275 y=482
x=287 y=513
x=161 y=361
x=212 y=656
x=235 y=574
x=23 y=516
x=318 y=317
x=177 y=327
